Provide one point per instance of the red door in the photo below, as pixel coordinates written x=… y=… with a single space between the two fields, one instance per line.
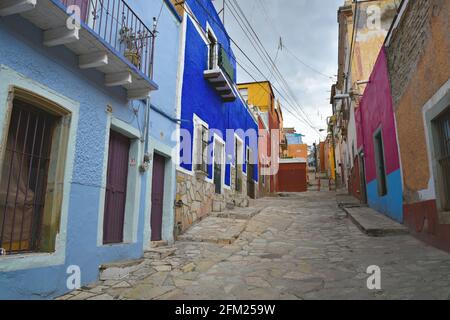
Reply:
x=116 y=188
x=82 y=4
x=159 y=164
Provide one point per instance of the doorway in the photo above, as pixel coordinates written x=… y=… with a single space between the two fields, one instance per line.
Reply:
x=218 y=166
x=116 y=188
x=362 y=179
x=250 y=176
x=159 y=165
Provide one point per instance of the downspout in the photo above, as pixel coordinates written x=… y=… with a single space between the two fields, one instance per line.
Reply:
x=146 y=159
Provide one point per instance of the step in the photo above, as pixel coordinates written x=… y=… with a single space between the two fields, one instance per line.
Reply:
x=215 y=230
x=346 y=200
x=159 y=253
x=120 y=270
x=158 y=244
x=373 y=223
x=238 y=213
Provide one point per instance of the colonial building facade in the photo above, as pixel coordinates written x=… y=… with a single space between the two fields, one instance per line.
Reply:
x=218 y=149
x=81 y=139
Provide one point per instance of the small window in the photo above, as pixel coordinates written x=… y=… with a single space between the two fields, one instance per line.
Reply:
x=380 y=163
x=244 y=94
x=443 y=155
x=24 y=175
x=202 y=143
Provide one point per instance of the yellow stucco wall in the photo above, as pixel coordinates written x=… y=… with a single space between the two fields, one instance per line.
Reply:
x=369 y=38
x=259 y=94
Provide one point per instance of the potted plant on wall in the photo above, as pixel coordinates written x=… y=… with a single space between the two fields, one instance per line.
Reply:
x=134 y=44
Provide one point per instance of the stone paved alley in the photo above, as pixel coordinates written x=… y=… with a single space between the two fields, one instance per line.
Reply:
x=300 y=246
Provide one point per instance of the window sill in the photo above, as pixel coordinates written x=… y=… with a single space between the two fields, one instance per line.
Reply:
x=34 y=260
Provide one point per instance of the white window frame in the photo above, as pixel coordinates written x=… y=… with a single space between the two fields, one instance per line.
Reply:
x=219 y=140
x=210 y=31
x=10 y=78
x=198 y=122
x=431 y=111
x=132 y=203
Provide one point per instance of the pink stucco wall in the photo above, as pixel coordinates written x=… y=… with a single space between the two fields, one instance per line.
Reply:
x=375 y=111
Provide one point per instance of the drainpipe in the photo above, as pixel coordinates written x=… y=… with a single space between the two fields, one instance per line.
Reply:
x=146 y=160
x=147 y=157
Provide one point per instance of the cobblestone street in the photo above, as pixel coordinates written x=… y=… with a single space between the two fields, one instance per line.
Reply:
x=300 y=246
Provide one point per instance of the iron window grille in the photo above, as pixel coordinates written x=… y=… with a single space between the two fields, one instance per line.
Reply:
x=23 y=182
x=202 y=143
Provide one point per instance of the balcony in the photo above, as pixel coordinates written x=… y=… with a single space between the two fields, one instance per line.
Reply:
x=108 y=37
x=220 y=75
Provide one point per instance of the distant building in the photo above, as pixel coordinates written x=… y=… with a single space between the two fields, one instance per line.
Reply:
x=260 y=95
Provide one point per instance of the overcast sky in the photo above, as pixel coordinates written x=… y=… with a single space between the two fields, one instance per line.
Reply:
x=309 y=30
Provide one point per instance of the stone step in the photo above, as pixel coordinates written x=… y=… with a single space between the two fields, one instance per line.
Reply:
x=238 y=213
x=348 y=201
x=159 y=253
x=120 y=270
x=374 y=223
x=215 y=230
x=158 y=244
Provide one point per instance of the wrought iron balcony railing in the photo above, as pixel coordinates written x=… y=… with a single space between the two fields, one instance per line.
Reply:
x=117 y=24
x=221 y=73
x=106 y=35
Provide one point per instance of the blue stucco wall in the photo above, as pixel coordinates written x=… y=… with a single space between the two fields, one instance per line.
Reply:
x=391 y=204
x=57 y=68
x=199 y=97
x=166 y=64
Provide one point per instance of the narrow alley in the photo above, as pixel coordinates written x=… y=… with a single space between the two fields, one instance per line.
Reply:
x=299 y=246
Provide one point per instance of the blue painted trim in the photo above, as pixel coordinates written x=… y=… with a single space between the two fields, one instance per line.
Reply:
x=109 y=47
x=173 y=10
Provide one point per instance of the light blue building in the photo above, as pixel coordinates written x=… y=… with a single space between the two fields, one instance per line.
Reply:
x=219 y=135
x=87 y=173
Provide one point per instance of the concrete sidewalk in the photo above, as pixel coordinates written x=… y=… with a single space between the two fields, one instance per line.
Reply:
x=373 y=223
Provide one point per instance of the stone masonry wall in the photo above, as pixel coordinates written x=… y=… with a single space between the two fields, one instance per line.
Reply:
x=196 y=199
x=408 y=45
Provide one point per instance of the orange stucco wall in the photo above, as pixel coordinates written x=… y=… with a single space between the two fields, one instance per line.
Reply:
x=429 y=70
x=298 y=151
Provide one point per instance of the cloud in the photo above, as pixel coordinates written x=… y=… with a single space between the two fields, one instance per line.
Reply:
x=309 y=30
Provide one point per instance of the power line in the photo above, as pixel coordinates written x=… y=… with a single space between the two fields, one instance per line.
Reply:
x=279 y=77
x=307 y=65
x=307 y=122
x=284 y=84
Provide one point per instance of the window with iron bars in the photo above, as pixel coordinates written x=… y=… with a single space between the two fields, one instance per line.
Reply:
x=24 y=177
x=442 y=124
x=202 y=148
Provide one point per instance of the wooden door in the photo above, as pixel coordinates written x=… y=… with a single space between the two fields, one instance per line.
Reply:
x=159 y=164
x=116 y=188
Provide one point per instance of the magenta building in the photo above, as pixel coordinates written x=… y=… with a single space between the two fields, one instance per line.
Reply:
x=376 y=136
